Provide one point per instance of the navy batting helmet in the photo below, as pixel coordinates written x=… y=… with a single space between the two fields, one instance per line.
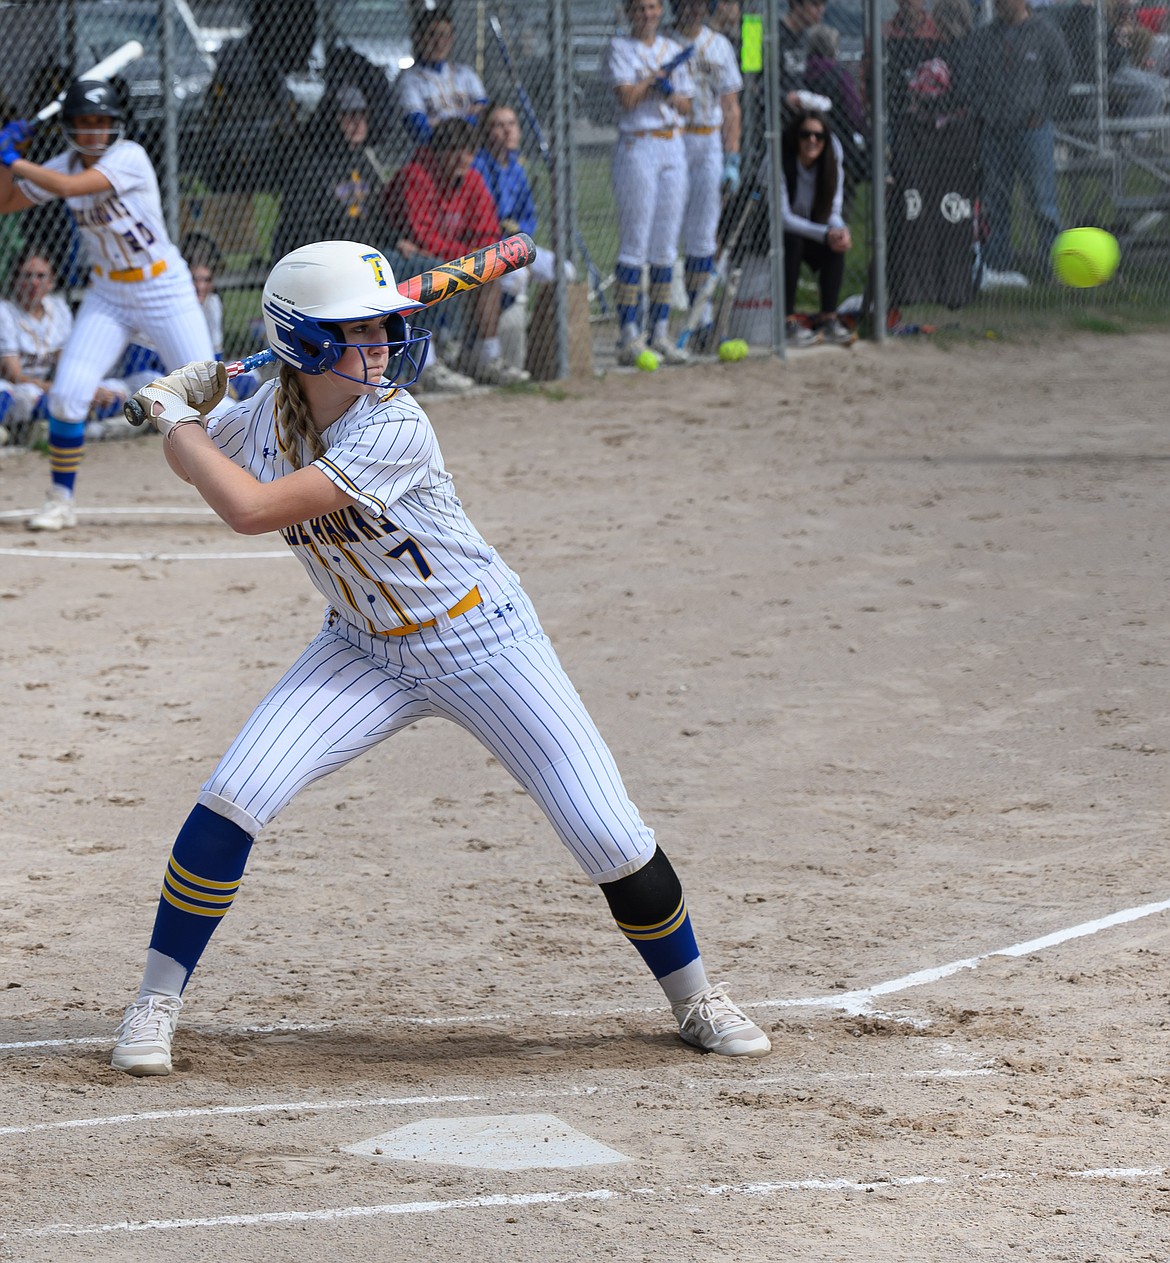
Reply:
x=91 y=98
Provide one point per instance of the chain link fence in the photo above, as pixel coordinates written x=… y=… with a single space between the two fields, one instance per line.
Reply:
x=276 y=122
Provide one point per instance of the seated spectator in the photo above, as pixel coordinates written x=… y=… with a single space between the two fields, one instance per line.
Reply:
x=436 y=88
x=1136 y=89
x=439 y=208
x=498 y=162
x=815 y=232
x=34 y=325
x=341 y=201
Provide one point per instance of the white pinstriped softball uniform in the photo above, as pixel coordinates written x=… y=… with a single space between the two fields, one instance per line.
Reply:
x=406 y=555
x=124 y=234
x=649 y=163
x=715 y=72
x=446 y=89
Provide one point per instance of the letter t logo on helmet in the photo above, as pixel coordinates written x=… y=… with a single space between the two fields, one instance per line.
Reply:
x=376 y=261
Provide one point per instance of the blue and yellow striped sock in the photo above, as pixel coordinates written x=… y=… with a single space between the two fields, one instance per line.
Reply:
x=66 y=448
x=628 y=294
x=202 y=878
x=651 y=912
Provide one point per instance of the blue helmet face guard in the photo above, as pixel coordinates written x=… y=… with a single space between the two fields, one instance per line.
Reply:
x=315 y=347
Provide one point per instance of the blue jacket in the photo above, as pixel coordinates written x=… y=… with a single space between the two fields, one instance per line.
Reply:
x=509 y=187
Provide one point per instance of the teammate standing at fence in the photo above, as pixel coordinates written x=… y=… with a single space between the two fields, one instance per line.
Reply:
x=711 y=139
x=140 y=283
x=649 y=175
x=436 y=87
x=424 y=621
x=1019 y=80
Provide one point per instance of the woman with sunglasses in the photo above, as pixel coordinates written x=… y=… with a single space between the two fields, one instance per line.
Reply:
x=423 y=620
x=815 y=232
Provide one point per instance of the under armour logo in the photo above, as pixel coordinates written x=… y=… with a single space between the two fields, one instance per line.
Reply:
x=501 y=612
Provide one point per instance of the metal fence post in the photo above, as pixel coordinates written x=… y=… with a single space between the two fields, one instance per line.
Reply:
x=774 y=166
x=561 y=171
x=166 y=74
x=879 y=242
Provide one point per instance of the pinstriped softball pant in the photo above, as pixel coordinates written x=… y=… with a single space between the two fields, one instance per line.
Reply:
x=492 y=671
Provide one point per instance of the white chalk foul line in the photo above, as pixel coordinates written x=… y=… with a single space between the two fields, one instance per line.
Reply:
x=60 y=554
x=861 y=1002
x=755 y=1189
x=137 y=510
x=852 y=1002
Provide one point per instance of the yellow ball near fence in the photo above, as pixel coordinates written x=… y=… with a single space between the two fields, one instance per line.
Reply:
x=733 y=350
x=1084 y=257
x=647 y=361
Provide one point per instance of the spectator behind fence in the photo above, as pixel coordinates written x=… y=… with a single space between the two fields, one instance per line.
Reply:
x=498 y=162
x=341 y=200
x=439 y=208
x=815 y=232
x=1020 y=74
x=824 y=75
x=649 y=176
x=1136 y=89
x=35 y=324
x=711 y=139
x=436 y=88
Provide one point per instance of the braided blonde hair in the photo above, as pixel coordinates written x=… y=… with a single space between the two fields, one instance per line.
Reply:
x=294 y=421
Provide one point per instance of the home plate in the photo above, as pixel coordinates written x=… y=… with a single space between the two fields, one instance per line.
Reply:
x=501 y=1142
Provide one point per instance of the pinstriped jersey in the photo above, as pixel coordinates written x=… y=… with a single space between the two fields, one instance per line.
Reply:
x=715 y=72
x=122 y=226
x=406 y=552
x=629 y=61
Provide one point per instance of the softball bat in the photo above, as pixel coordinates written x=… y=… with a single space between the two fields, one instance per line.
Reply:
x=109 y=66
x=433 y=286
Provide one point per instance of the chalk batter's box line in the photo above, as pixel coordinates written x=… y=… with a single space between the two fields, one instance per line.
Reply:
x=855 y=1003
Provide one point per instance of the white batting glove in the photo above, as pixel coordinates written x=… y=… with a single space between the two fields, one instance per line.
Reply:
x=186 y=395
x=202 y=384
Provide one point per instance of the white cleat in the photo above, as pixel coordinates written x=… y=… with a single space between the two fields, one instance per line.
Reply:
x=144 y=1038
x=497 y=373
x=711 y=1022
x=56 y=513
x=437 y=378
x=668 y=353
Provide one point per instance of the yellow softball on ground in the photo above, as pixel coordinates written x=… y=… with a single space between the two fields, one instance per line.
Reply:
x=1084 y=257
x=647 y=361
x=732 y=350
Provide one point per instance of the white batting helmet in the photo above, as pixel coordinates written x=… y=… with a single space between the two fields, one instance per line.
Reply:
x=315 y=288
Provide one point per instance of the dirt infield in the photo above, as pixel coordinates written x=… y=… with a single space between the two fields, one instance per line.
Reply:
x=879 y=639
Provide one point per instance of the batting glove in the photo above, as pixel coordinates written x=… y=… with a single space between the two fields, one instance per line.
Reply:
x=184 y=396
x=18 y=132
x=8 y=152
x=730 y=180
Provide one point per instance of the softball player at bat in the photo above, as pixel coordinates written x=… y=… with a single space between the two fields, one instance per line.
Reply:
x=711 y=139
x=423 y=619
x=139 y=282
x=649 y=176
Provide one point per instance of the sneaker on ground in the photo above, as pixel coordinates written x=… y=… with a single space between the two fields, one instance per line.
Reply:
x=835 y=333
x=440 y=379
x=993 y=279
x=628 y=352
x=56 y=513
x=668 y=353
x=711 y=1022
x=797 y=334
x=120 y=428
x=144 y=1037
x=497 y=373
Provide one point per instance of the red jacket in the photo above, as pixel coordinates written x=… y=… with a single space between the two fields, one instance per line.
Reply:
x=443 y=220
